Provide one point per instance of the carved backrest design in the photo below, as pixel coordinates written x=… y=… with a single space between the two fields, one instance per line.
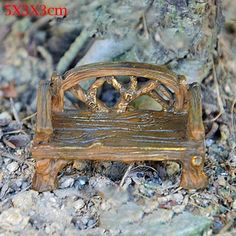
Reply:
x=165 y=87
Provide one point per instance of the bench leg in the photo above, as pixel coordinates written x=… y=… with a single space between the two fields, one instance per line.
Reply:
x=46 y=171
x=193 y=176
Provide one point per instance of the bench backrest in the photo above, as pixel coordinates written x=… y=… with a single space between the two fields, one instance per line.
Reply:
x=165 y=87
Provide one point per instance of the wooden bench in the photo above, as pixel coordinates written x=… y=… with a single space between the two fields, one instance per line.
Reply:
x=119 y=133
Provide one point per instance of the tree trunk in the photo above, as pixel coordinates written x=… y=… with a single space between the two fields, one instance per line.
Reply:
x=179 y=33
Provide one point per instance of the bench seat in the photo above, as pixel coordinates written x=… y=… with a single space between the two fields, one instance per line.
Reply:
x=79 y=135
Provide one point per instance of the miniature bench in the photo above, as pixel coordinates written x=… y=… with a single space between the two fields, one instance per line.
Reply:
x=119 y=133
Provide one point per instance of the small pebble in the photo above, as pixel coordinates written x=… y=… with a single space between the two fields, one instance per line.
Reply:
x=234 y=204
x=13 y=220
x=221 y=181
x=5 y=118
x=1 y=133
x=209 y=142
x=79 y=204
x=47 y=230
x=67 y=183
x=19 y=182
x=13 y=166
x=85 y=220
x=81 y=182
x=157 y=37
x=91 y=222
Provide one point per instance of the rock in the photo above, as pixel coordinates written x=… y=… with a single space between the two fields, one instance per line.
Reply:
x=150 y=205
x=25 y=200
x=63 y=193
x=19 y=182
x=13 y=219
x=85 y=220
x=184 y=224
x=180 y=208
x=91 y=222
x=1 y=133
x=54 y=229
x=172 y=168
x=177 y=198
x=221 y=181
x=81 y=165
x=209 y=142
x=13 y=166
x=113 y=196
x=91 y=232
x=234 y=204
x=5 y=118
x=125 y=214
x=68 y=182
x=81 y=182
x=78 y=223
x=158 y=216
x=79 y=204
x=13 y=126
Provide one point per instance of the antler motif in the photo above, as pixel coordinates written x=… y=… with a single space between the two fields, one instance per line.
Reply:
x=89 y=97
x=153 y=88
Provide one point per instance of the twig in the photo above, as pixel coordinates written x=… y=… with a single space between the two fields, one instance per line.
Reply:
x=91 y=226
x=9 y=144
x=36 y=25
x=149 y=167
x=226 y=227
x=14 y=132
x=219 y=100
x=125 y=175
x=48 y=58
x=72 y=52
x=146 y=33
x=29 y=117
x=15 y=114
x=213 y=130
x=232 y=119
x=176 y=190
x=11 y=156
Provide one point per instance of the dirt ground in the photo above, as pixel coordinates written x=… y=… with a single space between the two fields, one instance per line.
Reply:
x=90 y=199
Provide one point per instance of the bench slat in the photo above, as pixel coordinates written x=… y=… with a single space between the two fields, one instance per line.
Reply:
x=103 y=153
x=130 y=129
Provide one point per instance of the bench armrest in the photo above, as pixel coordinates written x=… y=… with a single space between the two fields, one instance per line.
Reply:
x=195 y=124
x=44 y=115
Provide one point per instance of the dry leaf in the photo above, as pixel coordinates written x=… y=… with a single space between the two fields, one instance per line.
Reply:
x=9 y=91
x=19 y=140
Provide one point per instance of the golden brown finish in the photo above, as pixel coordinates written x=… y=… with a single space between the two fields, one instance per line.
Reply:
x=195 y=128
x=45 y=178
x=118 y=133
x=43 y=124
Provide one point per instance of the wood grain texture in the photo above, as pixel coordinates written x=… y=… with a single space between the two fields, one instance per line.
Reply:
x=159 y=75
x=195 y=124
x=45 y=177
x=134 y=132
x=137 y=128
x=57 y=93
x=44 y=117
x=117 y=134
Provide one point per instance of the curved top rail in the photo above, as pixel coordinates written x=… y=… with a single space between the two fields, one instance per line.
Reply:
x=170 y=85
x=161 y=73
